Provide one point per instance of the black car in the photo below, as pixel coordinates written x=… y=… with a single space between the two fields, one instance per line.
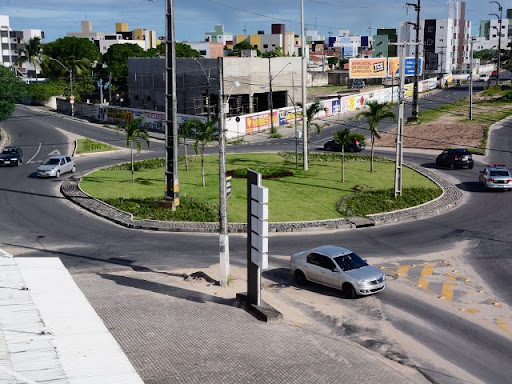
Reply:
x=12 y=155
x=455 y=158
x=353 y=146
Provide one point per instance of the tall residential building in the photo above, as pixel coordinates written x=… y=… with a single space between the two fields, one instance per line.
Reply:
x=11 y=43
x=443 y=42
x=489 y=34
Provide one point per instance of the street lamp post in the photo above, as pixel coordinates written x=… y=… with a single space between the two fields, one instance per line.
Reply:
x=270 y=100
x=303 y=80
x=500 y=9
x=223 y=206
x=208 y=78
x=71 y=95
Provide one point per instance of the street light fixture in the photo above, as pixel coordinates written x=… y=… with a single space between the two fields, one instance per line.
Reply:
x=208 y=78
x=71 y=96
x=271 y=102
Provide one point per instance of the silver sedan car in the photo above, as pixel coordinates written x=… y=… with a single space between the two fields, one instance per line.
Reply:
x=338 y=268
x=54 y=166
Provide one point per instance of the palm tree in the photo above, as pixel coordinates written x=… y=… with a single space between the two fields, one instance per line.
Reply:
x=376 y=112
x=311 y=112
x=342 y=137
x=32 y=52
x=134 y=135
x=203 y=134
x=186 y=131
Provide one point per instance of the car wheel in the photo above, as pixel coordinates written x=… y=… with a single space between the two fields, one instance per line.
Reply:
x=57 y=174
x=73 y=170
x=349 y=292
x=300 y=278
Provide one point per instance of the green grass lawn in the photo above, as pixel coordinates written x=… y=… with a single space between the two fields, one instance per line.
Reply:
x=88 y=145
x=307 y=195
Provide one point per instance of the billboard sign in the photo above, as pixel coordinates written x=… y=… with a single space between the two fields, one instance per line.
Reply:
x=367 y=68
x=394 y=66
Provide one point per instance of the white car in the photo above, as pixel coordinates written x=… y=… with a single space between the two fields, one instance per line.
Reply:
x=495 y=176
x=338 y=268
x=54 y=166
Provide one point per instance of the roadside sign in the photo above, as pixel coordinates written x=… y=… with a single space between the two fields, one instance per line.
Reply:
x=71 y=97
x=71 y=101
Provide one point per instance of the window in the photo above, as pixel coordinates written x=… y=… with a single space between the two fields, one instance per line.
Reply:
x=327 y=263
x=430 y=28
x=315 y=259
x=265 y=45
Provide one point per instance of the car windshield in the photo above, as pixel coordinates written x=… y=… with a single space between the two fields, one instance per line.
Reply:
x=350 y=261
x=499 y=173
x=51 y=162
x=9 y=150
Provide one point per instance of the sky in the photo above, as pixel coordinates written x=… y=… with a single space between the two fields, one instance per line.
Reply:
x=195 y=17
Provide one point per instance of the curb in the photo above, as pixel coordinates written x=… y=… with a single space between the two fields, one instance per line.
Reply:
x=449 y=199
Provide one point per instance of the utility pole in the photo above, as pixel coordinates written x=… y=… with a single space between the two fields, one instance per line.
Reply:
x=223 y=208
x=500 y=8
x=101 y=91
x=270 y=101
x=172 y=189
x=110 y=88
x=470 y=96
x=400 y=126
x=415 y=110
x=303 y=78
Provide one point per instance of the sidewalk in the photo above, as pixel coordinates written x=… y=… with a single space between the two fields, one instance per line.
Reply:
x=49 y=333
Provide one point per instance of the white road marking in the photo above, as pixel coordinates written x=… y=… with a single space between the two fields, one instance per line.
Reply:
x=37 y=152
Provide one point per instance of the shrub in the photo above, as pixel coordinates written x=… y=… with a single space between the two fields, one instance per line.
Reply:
x=267 y=172
x=190 y=209
x=367 y=201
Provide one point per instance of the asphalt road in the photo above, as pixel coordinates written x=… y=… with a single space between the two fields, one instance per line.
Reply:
x=35 y=220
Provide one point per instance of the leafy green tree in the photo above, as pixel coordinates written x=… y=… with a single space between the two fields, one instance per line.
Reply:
x=333 y=61
x=243 y=45
x=43 y=91
x=116 y=59
x=342 y=137
x=374 y=114
x=278 y=52
x=32 y=52
x=71 y=51
x=135 y=135
x=186 y=131
x=11 y=90
x=185 y=50
x=203 y=134
x=311 y=112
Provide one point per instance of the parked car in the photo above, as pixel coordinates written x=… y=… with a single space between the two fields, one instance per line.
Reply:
x=54 y=166
x=11 y=155
x=455 y=158
x=484 y=77
x=495 y=176
x=357 y=84
x=338 y=268
x=353 y=146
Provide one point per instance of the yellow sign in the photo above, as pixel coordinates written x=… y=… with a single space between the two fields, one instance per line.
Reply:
x=367 y=68
x=393 y=66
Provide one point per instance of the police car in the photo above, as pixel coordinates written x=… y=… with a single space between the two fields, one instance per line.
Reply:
x=496 y=176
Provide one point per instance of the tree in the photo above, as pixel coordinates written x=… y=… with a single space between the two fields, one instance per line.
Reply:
x=278 y=52
x=185 y=50
x=186 y=131
x=203 y=134
x=311 y=112
x=374 y=114
x=116 y=59
x=11 y=90
x=32 y=52
x=334 y=61
x=83 y=52
x=134 y=135
x=342 y=137
x=243 y=45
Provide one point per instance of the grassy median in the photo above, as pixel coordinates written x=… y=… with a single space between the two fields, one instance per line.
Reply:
x=305 y=195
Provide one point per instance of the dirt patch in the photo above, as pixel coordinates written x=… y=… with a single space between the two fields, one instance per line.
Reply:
x=440 y=134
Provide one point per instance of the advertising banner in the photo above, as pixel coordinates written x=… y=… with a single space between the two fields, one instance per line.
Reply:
x=367 y=68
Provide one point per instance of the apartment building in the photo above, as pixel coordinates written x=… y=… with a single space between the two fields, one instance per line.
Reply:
x=278 y=38
x=444 y=43
x=11 y=42
x=145 y=38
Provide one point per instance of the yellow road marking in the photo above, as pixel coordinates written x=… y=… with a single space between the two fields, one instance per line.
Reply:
x=403 y=271
x=502 y=324
x=447 y=291
x=427 y=270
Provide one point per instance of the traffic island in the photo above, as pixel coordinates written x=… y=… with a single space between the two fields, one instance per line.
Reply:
x=263 y=312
